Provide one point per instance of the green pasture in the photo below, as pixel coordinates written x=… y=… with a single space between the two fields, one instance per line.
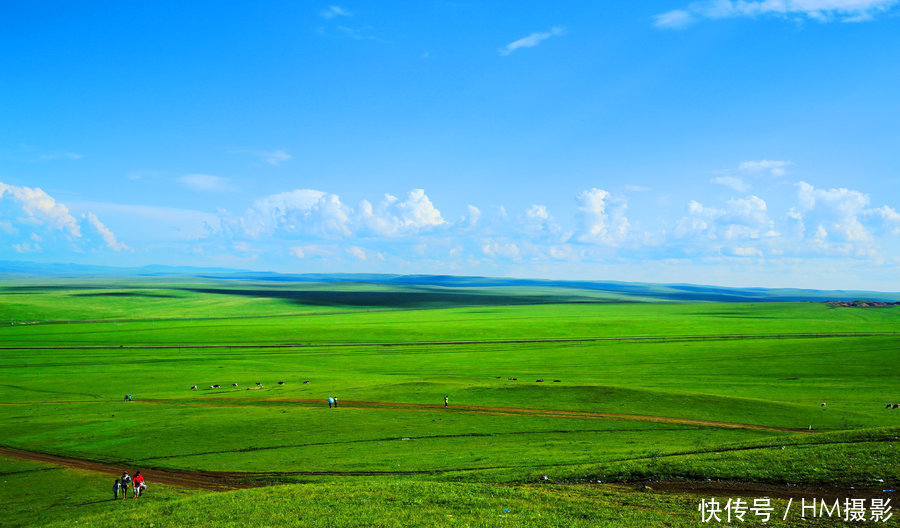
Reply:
x=623 y=409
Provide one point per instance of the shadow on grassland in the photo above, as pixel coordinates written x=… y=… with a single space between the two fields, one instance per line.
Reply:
x=397 y=299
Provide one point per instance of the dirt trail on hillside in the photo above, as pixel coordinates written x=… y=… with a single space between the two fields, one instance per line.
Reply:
x=502 y=411
x=224 y=481
x=210 y=480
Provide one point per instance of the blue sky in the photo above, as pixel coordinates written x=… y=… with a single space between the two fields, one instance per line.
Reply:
x=748 y=143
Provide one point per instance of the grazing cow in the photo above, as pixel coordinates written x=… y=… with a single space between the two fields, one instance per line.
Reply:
x=515 y=379
x=210 y=386
x=307 y=381
x=193 y=387
x=216 y=386
x=823 y=404
x=556 y=381
x=281 y=383
x=895 y=406
x=888 y=406
x=234 y=384
x=259 y=383
x=539 y=380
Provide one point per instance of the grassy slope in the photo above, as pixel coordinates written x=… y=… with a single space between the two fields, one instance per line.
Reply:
x=30 y=494
x=765 y=381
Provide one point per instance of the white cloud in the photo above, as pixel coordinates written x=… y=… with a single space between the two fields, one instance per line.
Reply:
x=357 y=252
x=889 y=216
x=675 y=19
x=312 y=250
x=502 y=248
x=393 y=217
x=734 y=182
x=742 y=219
x=537 y=211
x=747 y=252
x=831 y=218
x=819 y=10
x=531 y=40
x=602 y=220
x=472 y=216
x=41 y=209
x=311 y=213
x=30 y=215
x=273 y=157
x=775 y=168
x=109 y=238
x=334 y=11
x=206 y=182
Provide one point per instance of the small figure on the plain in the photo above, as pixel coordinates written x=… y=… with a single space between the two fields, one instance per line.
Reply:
x=193 y=387
x=259 y=384
x=281 y=383
x=446 y=401
x=125 y=479
x=895 y=406
x=823 y=404
x=234 y=384
x=335 y=402
x=139 y=485
x=116 y=486
x=330 y=402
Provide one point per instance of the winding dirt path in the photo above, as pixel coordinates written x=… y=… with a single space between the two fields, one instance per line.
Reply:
x=428 y=407
x=224 y=481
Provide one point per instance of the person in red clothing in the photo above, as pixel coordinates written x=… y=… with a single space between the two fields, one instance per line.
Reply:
x=139 y=485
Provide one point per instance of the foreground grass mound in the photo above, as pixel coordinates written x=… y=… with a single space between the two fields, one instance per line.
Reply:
x=405 y=503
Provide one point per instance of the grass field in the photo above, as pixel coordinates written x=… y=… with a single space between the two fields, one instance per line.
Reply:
x=648 y=390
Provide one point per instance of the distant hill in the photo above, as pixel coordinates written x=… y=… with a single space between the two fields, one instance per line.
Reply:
x=621 y=291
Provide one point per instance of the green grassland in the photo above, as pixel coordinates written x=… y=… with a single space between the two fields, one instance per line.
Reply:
x=713 y=406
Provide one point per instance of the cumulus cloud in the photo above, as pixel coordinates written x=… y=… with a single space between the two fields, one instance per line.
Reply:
x=830 y=218
x=395 y=217
x=531 y=40
x=40 y=209
x=819 y=10
x=742 y=219
x=311 y=213
x=601 y=219
x=30 y=215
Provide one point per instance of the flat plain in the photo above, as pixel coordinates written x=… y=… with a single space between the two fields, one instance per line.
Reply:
x=646 y=403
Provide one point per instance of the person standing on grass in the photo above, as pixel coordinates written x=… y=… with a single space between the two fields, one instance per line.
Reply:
x=330 y=402
x=335 y=403
x=124 y=484
x=139 y=485
x=446 y=401
x=116 y=486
